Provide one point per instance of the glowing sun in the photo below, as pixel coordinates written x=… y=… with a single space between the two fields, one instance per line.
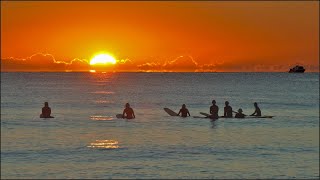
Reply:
x=102 y=59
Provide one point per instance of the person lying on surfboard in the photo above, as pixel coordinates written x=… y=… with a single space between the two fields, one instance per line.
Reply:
x=128 y=112
x=257 y=111
x=239 y=114
x=214 y=110
x=184 y=111
x=46 y=111
x=227 y=110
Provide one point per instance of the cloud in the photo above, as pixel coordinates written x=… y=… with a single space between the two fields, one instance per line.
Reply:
x=78 y=65
x=125 y=65
x=36 y=62
x=150 y=67
x=42 y=62
x=177 y=64
x=186 y=63
x=181 y=63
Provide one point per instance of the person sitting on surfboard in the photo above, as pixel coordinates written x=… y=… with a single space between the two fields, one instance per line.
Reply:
x=128 y=111
x=239 y=114
x=184 y=111
x=214 y=110
x=46 y=111
x=257 y=111
x=227 y=110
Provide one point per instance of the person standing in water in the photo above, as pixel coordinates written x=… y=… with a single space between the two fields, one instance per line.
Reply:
x=184 y=111
x=227 y=110
x=128 y=112
x=214 y=109
x=257 y=111
x=46 y=111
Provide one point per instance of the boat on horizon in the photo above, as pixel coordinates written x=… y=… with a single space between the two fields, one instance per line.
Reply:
x=297 y=69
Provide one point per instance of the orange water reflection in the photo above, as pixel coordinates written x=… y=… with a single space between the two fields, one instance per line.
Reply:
x=103 y=102
x=104 y=144
x=103 y=92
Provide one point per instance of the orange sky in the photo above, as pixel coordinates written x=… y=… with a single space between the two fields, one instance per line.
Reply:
x=160 y=36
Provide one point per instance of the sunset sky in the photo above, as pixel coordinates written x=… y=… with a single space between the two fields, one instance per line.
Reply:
x=157 y=36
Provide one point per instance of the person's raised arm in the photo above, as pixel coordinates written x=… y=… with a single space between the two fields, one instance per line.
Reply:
x=124 y=111
x=255 y=111
x=133 y=114
x=179 y=112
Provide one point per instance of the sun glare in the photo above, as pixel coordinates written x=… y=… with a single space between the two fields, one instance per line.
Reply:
x=102 y=59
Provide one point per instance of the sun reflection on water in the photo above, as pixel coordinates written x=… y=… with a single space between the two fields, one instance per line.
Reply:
x=104 y=144
x=102 y=92
x=101 y=118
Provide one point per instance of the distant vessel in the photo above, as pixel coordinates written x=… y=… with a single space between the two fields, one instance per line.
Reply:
x=297 y=69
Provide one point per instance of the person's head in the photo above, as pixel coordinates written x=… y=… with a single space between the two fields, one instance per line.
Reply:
x=240 y=110
x=255 y=104
x=127 y=105
x=46 y=104
x=213 y=101
x=226 y=103
x=183 y=106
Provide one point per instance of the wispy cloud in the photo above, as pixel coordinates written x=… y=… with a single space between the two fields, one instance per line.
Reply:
x=42 y=62
x=183 y=63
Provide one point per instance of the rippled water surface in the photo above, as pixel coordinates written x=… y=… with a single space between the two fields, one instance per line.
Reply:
x=86 y=140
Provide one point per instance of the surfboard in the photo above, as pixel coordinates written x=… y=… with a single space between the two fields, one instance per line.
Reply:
x=259 y=116
x=170 y=112
x=205 y=114
x=199 y=117
x=45 y=117
x=119 y=115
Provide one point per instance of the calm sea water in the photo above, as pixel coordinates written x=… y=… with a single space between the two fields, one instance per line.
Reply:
x=86 y=140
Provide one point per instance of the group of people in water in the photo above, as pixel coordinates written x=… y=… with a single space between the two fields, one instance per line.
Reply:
x=214 y=109
x=128 y=112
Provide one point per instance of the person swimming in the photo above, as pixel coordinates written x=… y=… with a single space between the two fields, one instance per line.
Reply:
x=46 y=111
x=257 y=111
x=239 y=114
x=227 y=110
x=128 y=112
x=184 y=111
x=214 y=109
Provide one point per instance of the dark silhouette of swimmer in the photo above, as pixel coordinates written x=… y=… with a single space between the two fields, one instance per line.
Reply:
x=214 y=109
x=128 y=112
x=184 y=111
x=227 y=110
x=239 y=114
x=46 y=111
x=257 y=111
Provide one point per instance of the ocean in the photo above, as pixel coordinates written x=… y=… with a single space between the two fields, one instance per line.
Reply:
x=86 y=140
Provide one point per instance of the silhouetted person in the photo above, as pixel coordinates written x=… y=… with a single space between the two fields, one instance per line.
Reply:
x=214 y=110
x=227 y=110
x=239 y=114
x=257 y=111
x=128 y=112
x=46 y=111
x=184 y=111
